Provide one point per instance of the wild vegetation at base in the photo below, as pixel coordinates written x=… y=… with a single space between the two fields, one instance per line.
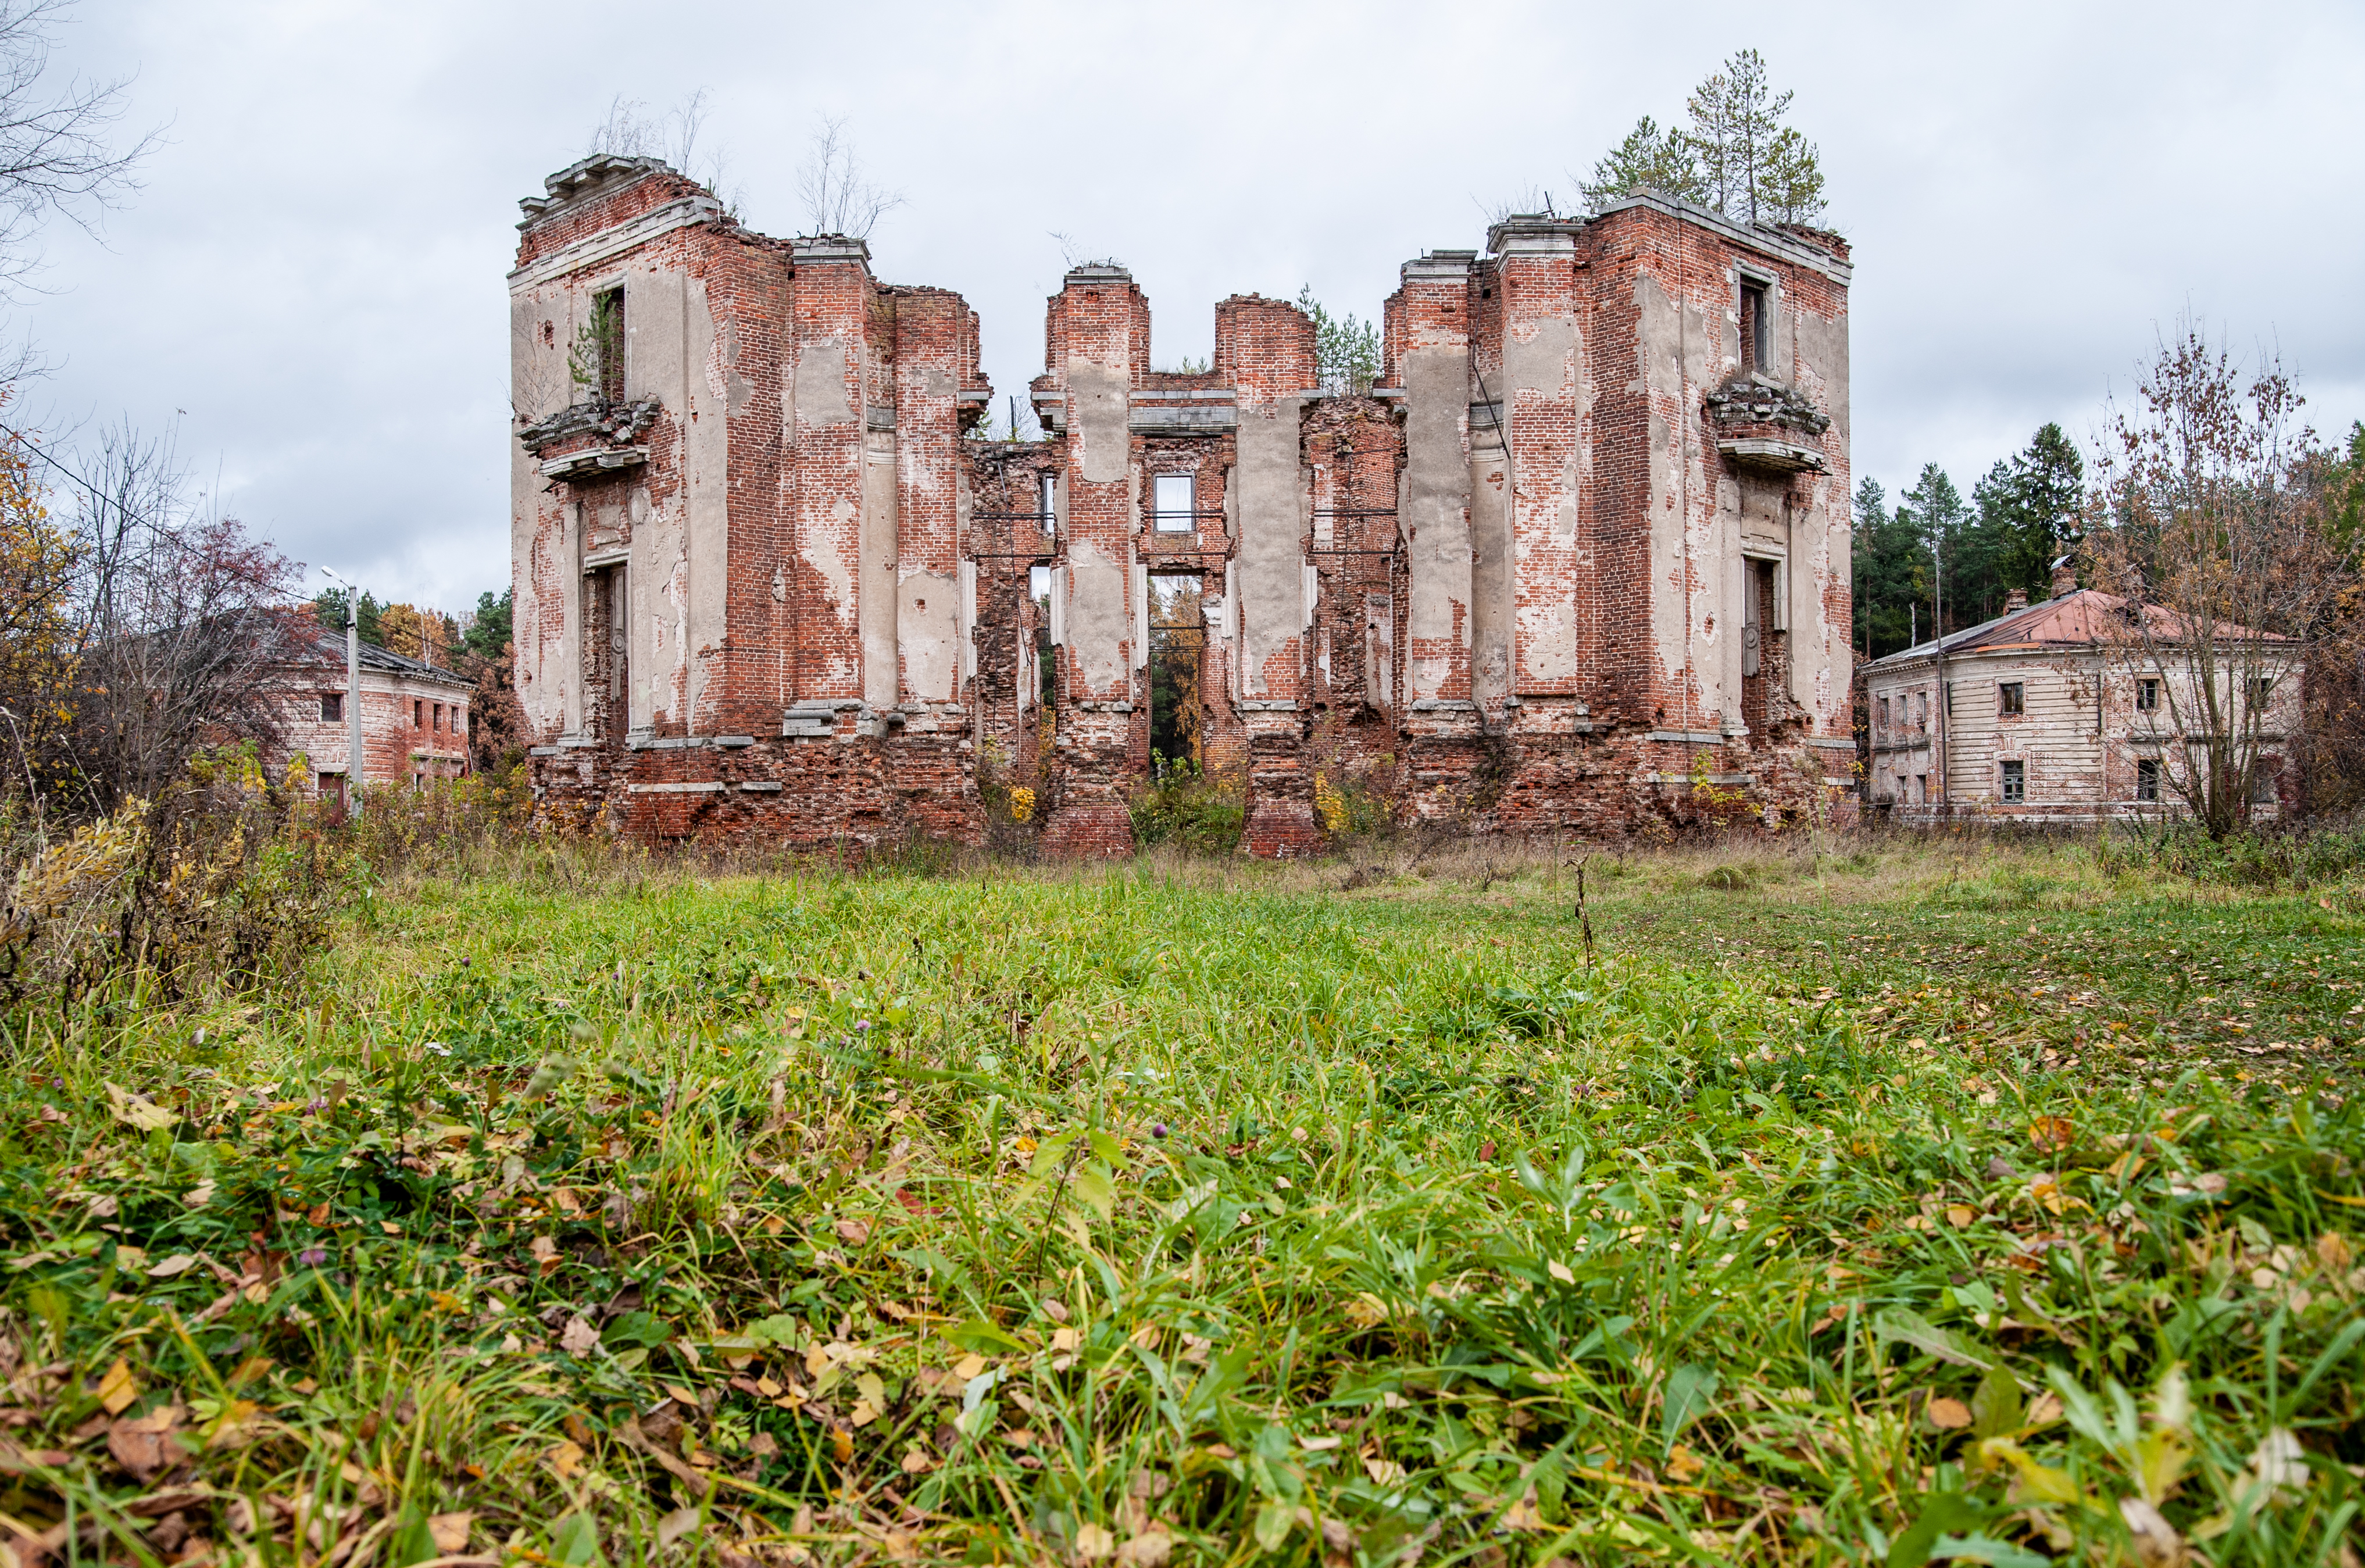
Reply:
x=1924 y=1203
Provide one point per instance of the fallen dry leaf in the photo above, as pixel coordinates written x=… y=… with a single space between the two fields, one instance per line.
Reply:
x=917 y=1463
x=2051 y=1134
x=567 y=1459
x=1095 y=1543
x=676 y=1525
x=146 y=1448
x=179 y=1263
x=853 y=1232
x=1149 y=1550
x=450 y=1530
x=577 y=1337
x=1683 y=1464
x=1949 y=1414
x=116 y=1390
x=1960 y=1216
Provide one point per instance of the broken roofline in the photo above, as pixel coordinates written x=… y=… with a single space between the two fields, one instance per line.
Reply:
x=604 y=172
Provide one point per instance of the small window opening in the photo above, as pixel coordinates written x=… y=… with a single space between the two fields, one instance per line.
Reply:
x=332 y=707
x=1173 y=498
x=2015 y=697
x=2261 y=688
x=2148 y=778
x=1756 y=340
x=2147 y=697
x=439 y=718
x=2015 y=783
x=1920 y=788
x=1046 y=506
x=1884 y=713
x=606 y=345
x=418 y=714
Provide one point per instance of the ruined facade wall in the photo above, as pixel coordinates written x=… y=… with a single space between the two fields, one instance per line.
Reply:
x=1569 y=550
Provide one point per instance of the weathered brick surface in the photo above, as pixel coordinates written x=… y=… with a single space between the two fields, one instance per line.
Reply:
x=778 y=595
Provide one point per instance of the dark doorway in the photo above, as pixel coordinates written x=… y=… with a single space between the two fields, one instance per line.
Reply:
x=1178 y=649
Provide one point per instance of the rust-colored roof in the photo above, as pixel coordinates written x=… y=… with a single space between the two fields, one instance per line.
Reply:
x=2078 y=619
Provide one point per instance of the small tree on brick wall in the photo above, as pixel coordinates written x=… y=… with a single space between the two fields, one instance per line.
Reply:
x=1735 y=155
x=2202 y=521
x=1346 y=350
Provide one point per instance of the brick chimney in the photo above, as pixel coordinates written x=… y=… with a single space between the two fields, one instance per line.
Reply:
x=2015 y=602
x=2065 y=579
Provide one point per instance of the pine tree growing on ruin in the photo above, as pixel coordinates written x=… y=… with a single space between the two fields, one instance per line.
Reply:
x=1736 y=155
x=1649 y=159
x=1346 y=350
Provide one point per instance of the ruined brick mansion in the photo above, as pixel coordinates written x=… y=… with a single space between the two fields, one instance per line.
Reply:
x=1580 y=553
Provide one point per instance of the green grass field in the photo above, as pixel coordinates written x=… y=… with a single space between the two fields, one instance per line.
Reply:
x=1915 y=1206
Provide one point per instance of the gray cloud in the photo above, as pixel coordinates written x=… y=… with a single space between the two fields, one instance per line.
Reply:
x=315 y=271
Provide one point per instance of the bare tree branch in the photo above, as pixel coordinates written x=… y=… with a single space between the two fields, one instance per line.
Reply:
x=838 y=198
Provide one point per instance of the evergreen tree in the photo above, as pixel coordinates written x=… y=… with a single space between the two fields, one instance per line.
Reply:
x=2030 y=508
x=1889 y=573
x=488 y=635
x=1735 y=155
x=1649 y=159
x=1934 y=512
x=1346 y=350
x=328 y=610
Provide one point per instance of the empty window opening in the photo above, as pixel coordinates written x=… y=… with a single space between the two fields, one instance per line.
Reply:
x=1178 y=648
x=2262 y=782
x=1047 y=505
x=332 y=707
x=2013 y=697
x=2148 y=778
x=1174 y=500
x=2146 y=696
x=1884 y=713
x=2261 y=688
x=1920 y=788
x=2015 y=783
x=418 y=714
x=606 y=675
x=1756 y=338
x=439 y=718
x=603 y=357
x=1047 y=657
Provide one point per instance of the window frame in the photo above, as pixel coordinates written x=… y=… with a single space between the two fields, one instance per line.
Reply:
x=2012 y=698
x=1159 y=512
x=332 y=707
x=2012 y=781
x=2147 y=779
x=1047 y=504
x=2147 y=694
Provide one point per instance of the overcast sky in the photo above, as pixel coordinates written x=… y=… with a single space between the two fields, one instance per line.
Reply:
x=310 y=285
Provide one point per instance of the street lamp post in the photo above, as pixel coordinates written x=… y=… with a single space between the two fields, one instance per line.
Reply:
x=352 y=689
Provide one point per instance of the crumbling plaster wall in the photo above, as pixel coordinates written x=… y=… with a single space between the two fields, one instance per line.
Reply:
x=803 y=540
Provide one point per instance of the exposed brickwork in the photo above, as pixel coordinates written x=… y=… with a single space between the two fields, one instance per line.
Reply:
x=1572 y=551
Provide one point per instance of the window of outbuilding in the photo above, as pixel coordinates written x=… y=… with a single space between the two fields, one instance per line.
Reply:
x=2015 y=783
x=332 y=707
x=2147 y=695
x=2148 y=778
x=2013 y=697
